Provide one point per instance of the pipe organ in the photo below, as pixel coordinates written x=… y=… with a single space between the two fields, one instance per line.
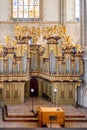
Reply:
x=67 y=66
x=47 y=53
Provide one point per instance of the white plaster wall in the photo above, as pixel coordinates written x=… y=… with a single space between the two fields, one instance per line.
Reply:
x=6 y=29
x=51 y=10
x=4 y=10
x=70 y=10
x=73 y=30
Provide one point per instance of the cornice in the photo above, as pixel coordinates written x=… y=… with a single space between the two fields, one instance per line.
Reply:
x=33 y=22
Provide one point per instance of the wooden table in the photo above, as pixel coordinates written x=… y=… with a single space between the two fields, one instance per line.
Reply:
x=50 y=115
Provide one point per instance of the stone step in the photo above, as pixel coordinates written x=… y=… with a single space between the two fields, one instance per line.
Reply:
x=20 y=119
x=75 y=119
x=74 y=116
x=22 y=115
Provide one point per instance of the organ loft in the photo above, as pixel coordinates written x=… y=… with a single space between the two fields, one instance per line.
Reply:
x=46 y=55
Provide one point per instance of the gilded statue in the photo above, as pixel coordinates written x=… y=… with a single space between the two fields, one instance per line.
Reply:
x=1 y=48
x=79 y=49
x=34 y=32
x=7 y=40
x=14 y=43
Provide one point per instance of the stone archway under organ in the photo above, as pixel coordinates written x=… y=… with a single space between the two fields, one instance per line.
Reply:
x=34 y=85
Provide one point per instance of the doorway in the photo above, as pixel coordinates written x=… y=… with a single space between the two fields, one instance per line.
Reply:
x=34 y=86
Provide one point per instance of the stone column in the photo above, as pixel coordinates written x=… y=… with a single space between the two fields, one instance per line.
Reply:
x=83 y=40
x=83 y=23
x=84 y=85
x=82 y=90
x=63 y=12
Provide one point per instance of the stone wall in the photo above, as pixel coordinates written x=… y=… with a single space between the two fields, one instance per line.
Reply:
x=4 y=10
x=73 y=29
x=70 y=10
x=51 y=10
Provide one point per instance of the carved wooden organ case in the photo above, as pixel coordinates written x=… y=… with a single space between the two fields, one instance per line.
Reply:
x=58 y=60
x=61 y=61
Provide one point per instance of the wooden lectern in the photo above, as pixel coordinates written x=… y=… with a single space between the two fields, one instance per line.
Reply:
x=50 y=115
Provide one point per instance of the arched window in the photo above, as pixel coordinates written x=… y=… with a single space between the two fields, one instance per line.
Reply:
x=77 y=10
x=27 y=9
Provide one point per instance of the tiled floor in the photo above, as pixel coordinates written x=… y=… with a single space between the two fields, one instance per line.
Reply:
x=27 y=106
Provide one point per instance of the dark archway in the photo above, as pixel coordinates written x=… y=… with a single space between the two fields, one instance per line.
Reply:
x=34 y=85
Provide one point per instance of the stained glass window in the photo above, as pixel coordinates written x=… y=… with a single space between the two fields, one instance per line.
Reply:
x=26 y=9
x=77 y=9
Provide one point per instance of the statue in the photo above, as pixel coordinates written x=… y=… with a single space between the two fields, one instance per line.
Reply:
x=7 y=40
x=79 y=49
x=1 y=48
x=40 y=39
x=14 y=44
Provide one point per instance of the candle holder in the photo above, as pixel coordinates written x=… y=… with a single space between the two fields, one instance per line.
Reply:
x=32 y=91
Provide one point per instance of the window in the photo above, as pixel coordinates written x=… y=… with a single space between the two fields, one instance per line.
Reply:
x=73 y=10
x=77 y=10
x=26 y=9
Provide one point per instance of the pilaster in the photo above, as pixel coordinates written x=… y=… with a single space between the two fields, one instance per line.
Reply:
x=84 y=85
x=83 y=23
x=22 y=93
x=63 y=12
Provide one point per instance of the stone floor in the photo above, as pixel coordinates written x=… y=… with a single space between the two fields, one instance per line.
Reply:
x=27 y=106
x=16 y=124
